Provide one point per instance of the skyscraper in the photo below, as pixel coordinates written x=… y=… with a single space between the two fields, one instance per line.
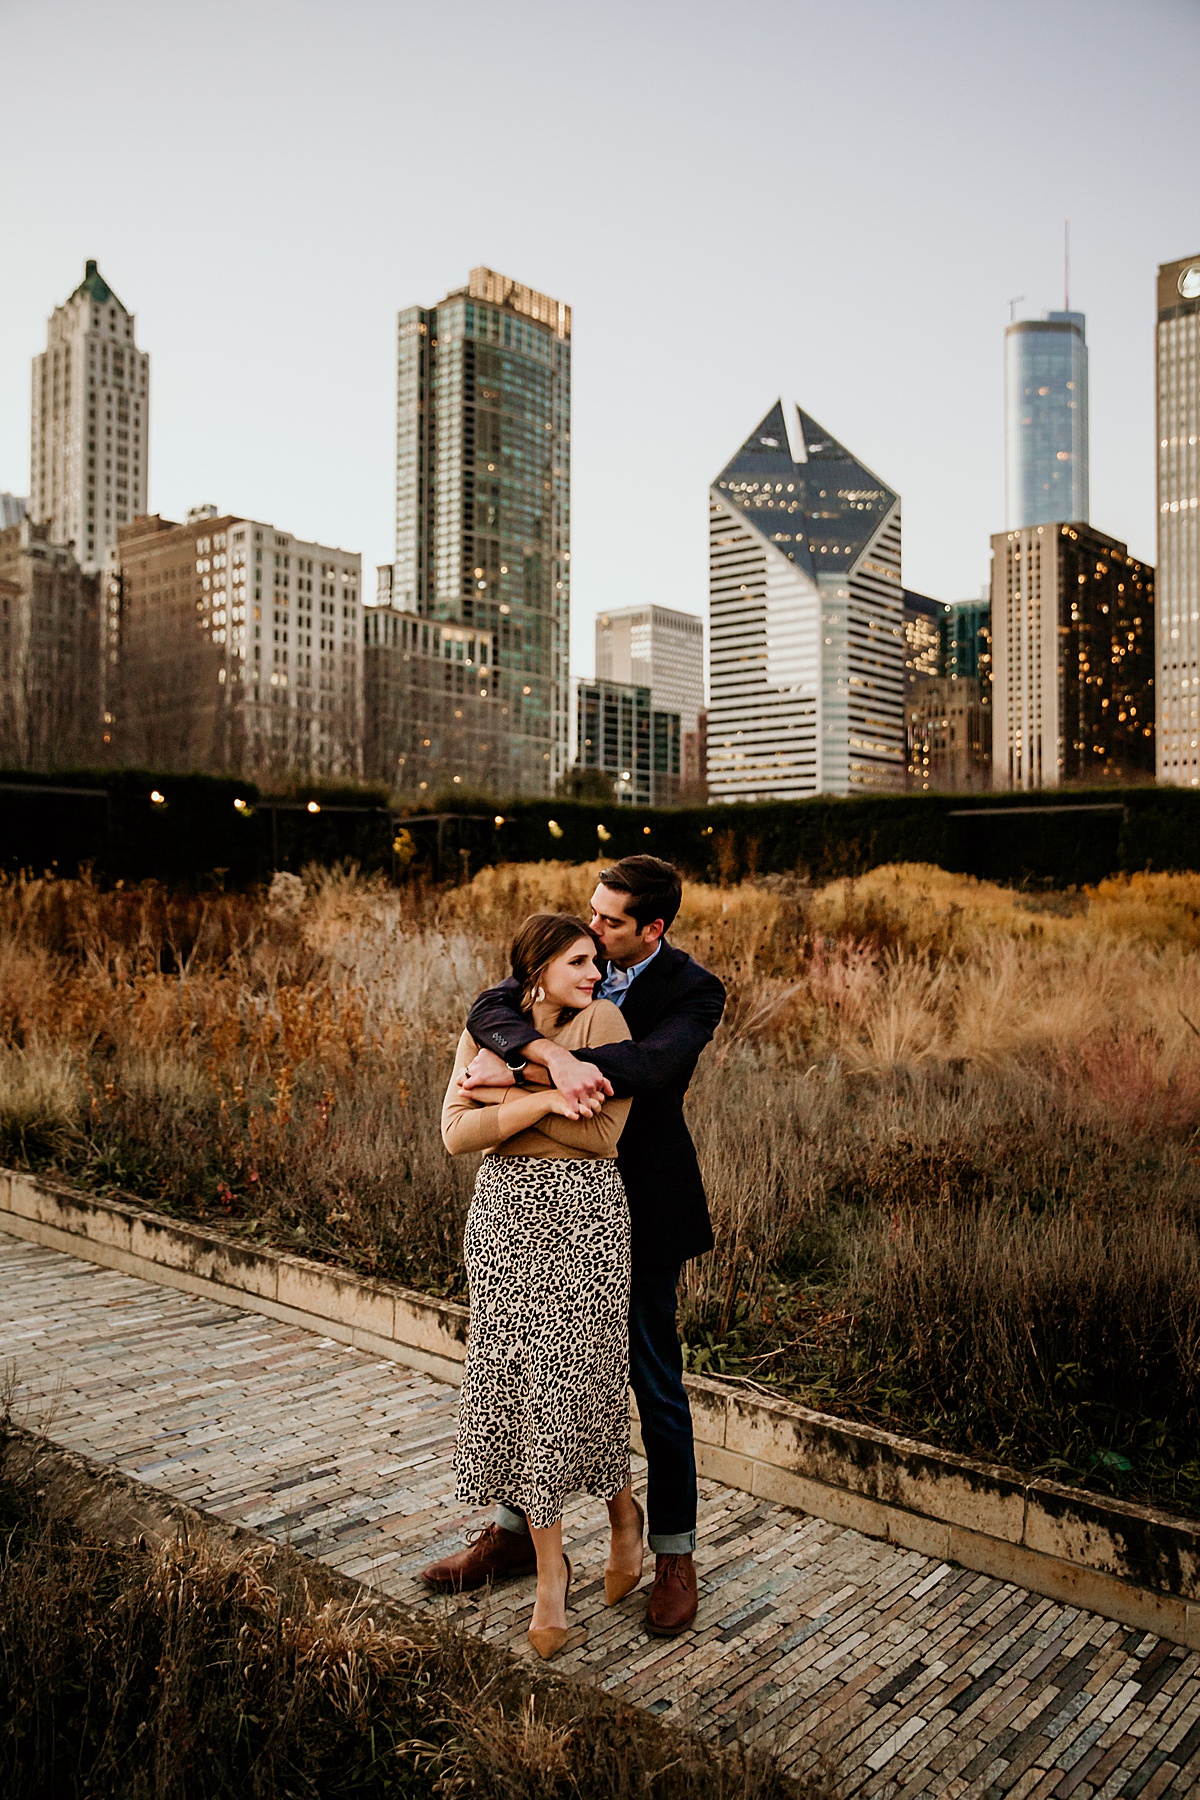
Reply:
x=658 y=648
x=91 y=422
x=240 y=648
x=483 y=485
x=624 y=735
x=1178 y=364
x=806 y=620
x=1072 y=658
x=1046 y=421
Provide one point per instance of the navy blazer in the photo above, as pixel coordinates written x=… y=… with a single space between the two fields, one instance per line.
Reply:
x=672 y=1010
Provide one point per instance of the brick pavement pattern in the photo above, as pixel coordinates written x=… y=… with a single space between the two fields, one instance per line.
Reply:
x=909 y=1678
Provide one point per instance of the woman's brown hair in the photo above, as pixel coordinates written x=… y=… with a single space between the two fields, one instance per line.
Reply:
x=542 y=937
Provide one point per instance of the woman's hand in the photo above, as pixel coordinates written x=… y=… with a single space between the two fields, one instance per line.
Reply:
x=585 y=1108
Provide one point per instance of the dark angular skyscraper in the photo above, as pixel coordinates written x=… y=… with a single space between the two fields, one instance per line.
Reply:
x=806 y=636
x=483 y=484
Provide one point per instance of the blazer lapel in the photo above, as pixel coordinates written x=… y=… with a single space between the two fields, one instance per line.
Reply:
x=646 y=993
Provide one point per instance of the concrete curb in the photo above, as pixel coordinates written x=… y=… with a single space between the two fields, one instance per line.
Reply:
x=1130 y=1563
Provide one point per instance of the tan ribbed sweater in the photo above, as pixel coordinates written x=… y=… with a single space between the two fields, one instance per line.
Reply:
x=468 y=1125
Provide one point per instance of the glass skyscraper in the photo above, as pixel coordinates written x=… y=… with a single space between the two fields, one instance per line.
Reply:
x=483 y=484
x=1046 y=421
x=806 y=634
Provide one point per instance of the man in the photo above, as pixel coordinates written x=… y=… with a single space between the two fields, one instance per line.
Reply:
x=672 y=1007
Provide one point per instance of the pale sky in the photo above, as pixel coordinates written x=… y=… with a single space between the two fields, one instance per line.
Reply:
x=831 y=202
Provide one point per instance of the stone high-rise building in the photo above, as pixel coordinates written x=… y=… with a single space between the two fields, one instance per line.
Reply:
x=430 y=715
x=1072 y=659
x=483 y=490
x=806 y=620
x=91 y=423
x=50 y=653
x=240 y=649
x=1178 y=365
x=655 y=647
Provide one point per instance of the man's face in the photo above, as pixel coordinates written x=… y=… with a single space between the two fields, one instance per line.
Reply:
x=625 y=942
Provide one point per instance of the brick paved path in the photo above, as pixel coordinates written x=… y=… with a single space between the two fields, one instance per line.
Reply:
x=912 y=1677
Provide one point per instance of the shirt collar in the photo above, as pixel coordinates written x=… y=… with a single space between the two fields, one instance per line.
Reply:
x=619 y=979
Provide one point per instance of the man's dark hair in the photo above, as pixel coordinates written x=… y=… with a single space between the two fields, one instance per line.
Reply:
x=653 y=887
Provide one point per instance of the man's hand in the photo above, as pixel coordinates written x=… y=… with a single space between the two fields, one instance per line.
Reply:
x=579 y=1082
x=486 y=1069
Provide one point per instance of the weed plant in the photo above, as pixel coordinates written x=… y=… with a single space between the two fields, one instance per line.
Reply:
x=163 y=1673
x=949 y=1130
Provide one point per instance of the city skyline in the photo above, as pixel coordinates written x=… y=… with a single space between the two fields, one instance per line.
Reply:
x=900 y=339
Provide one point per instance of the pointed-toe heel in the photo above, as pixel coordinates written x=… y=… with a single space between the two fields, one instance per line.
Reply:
x=619 y=1582
x=548 y=1640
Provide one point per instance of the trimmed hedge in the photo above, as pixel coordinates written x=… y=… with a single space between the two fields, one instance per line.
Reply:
x=1040 y=844
x=112 y=825
x=1059 y=838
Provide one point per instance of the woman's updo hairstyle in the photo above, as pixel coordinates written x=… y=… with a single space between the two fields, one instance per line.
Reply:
x=542 y=937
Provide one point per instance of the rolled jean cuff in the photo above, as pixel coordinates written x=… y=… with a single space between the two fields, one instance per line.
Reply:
x=509 y=1519
x=681 y=1543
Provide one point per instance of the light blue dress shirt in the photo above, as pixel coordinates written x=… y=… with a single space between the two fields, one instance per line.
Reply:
x=616 y=983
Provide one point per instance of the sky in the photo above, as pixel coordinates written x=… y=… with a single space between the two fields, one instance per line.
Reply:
x=831 y=203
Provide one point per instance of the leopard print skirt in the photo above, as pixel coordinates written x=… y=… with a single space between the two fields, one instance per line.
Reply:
x=544 y=1409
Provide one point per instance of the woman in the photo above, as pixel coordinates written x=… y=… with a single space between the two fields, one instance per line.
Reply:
x=544 y=1411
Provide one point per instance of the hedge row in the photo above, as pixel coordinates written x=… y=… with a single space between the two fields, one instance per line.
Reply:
x=133 y=825
x=1063 y=838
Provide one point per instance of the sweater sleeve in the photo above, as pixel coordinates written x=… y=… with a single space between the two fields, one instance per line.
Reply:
x=466 y=1124
x=597 y=1136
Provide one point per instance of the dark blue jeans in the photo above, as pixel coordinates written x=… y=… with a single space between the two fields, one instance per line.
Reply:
x=656 y=1376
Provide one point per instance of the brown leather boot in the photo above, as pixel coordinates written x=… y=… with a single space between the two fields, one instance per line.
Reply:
x=492 y=1554
x=673 y=1598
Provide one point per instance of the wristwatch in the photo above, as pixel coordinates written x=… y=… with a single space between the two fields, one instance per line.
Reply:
x=516 y=1062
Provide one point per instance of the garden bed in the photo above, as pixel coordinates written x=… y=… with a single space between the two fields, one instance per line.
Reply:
x=948 y=1130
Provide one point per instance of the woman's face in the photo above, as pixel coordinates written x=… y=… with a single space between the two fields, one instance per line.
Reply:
x=570 y=978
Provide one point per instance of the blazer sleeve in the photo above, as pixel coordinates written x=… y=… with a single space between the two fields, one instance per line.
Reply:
x=598 y=1135
x=497 y=1023
x=670 y=1049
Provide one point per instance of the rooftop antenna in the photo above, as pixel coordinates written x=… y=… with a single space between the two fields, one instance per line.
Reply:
x=1066 y=265
x=1012 y=307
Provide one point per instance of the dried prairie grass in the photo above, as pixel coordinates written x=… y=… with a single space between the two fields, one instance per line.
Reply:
x=911 y=1064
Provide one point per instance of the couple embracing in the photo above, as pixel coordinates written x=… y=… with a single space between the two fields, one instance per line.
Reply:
x=570 y=1077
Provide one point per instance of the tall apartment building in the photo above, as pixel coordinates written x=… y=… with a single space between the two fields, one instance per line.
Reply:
x=50 y=652
x=240 y=648
x=483 y=490
x=806 y=619
x=658 y=648
x=638 y=745
x=1046 y=421
x=1072 y=658
x=922 y=637
x=1178 y=385
x=430 y=715
x=91 y=423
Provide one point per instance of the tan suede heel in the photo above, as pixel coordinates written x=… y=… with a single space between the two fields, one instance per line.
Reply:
x=548 y=1640
x=619 y=1582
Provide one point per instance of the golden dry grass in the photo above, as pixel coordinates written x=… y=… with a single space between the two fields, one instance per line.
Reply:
x=931 y=1099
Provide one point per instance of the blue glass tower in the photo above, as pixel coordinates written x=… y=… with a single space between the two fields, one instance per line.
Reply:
x=1046 y=421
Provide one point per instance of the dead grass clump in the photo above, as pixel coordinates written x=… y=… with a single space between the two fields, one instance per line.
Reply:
x=158 y=1674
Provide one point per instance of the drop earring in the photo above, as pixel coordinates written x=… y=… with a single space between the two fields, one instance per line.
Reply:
x=540 y=994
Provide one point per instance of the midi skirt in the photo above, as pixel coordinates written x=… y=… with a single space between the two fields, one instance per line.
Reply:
x=544 y=1408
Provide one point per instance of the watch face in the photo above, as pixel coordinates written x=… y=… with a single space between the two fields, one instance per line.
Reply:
x=1189 y=281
